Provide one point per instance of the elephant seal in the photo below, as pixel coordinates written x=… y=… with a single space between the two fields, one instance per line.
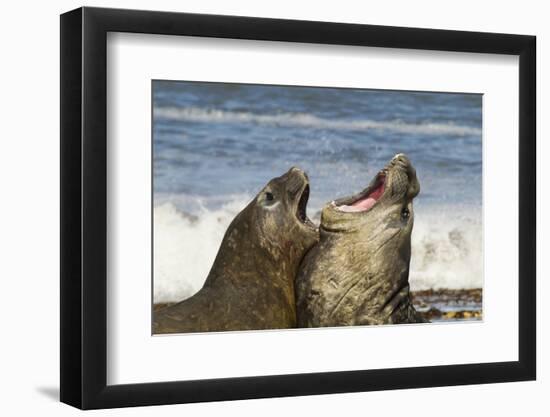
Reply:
x=251 y=283
x=358 y=274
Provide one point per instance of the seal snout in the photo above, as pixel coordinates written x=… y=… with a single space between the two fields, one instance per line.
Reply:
x=297 y=171
x=297 y=185
x=400 y=160
x=400 y=157
x=297 y=180
x=403 y=165
x=397 y=179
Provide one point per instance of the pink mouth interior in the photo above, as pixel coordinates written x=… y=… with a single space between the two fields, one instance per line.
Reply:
x=367 y=202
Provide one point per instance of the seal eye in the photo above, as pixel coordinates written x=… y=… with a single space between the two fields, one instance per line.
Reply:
x=405 y=213
x=269 y=196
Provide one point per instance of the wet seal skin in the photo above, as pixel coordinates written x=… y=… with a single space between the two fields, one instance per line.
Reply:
x=358 y=274
x=251 y=283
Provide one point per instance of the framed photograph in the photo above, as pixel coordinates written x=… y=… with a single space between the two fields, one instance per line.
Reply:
x=257 y=208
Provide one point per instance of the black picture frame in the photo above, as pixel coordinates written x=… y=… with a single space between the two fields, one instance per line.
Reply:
x=84 y=207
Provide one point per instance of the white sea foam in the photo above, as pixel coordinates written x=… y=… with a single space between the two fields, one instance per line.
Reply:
x=446 y=249
x=197 y=114
x=185 y=247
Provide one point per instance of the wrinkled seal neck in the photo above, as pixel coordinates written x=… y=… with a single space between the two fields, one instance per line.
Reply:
x=334 y=222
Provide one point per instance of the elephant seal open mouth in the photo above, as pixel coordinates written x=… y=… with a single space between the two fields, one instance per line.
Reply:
x=358 y=274
x=251 y=283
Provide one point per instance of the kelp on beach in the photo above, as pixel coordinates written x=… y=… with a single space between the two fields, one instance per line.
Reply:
x=449 y=304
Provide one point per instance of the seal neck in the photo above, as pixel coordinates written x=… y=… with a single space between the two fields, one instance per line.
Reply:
x=395 y=307
x=333 y=221
x=241 y=261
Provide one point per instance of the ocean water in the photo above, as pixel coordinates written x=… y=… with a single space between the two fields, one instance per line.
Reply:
x=216 y=145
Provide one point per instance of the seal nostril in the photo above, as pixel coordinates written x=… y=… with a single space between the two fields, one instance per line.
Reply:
x=400 y=160
x=294 y=170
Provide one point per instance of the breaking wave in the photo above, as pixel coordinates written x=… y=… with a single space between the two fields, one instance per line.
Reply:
x=446 y=253
x=196 y=114
x=447 y=250
x=185 y=247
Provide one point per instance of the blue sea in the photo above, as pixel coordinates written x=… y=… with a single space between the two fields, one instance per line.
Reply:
x=215 y=145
